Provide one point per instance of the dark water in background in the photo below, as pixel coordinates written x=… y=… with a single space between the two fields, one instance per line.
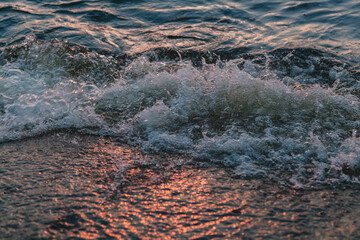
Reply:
x=261 y=91
x=136 y=26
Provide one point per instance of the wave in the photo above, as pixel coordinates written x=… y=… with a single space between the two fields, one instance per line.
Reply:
x=289 y=115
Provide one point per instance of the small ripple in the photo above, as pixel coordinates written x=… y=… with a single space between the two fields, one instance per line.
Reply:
x=302 y=7
x=26 y=10
x=265 y=6
x=76 y=4
x=5 y=9
x=322 y=15
x=183 y=37
x=62 y=11
x=8 y=21
x=100 y=16
x=69 y=221
x=92 y=15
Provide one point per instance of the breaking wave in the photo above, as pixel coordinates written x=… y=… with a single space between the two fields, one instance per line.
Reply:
x=289 y=115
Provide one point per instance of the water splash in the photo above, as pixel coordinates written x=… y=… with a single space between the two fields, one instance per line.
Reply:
x=296 y=125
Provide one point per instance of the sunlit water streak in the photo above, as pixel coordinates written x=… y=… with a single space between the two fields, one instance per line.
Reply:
x=70 y=186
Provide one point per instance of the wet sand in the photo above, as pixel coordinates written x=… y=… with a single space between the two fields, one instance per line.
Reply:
x=70 y=186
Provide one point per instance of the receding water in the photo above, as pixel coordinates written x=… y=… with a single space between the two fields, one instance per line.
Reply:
x=195 y=119
x=71 y=186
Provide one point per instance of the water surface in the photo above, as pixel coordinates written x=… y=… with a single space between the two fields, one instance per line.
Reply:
x=73 y=186
x=186 y=119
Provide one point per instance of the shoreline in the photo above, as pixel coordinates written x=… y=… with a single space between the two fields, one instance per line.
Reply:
x=69 y=185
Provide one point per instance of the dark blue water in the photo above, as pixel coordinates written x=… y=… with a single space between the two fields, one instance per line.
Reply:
x=136 y=26
x=262 y=91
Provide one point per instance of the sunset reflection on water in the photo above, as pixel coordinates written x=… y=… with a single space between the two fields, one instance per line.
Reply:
x=91 y=188
x=176 y=201
x=189 y=205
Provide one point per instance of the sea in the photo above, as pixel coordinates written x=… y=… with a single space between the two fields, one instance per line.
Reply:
x=217 y=119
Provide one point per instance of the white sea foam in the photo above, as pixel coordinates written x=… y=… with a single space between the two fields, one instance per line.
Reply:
x=251 y=119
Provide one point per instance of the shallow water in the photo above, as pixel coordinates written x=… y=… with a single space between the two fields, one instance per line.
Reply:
x=72 y=186
x=269 y=90
x=230 y=118
x=293 y=118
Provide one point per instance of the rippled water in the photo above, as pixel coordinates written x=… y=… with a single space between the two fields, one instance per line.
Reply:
x=70 y=186
x=135 y=26
x=230 y=94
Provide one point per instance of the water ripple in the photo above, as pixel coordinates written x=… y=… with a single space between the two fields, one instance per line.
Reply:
x=253 y=24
